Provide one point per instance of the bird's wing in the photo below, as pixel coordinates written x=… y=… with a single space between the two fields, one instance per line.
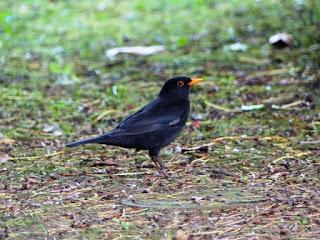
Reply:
x=148 y=119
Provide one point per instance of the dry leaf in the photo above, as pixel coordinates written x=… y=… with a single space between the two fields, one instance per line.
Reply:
x=4 y=158
x=137 y=50
x=196 y=124
x=235 y=47
x=7 y=141
x=181 y=235
x=281 y=40
x=54 y=129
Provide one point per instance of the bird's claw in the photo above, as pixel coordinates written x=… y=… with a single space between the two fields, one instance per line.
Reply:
x=162 y=169
x=164 y=173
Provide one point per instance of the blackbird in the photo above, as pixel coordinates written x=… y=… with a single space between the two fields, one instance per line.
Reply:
x=155 y=125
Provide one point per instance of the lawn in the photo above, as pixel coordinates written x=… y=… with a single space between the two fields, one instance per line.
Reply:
x=247 y=164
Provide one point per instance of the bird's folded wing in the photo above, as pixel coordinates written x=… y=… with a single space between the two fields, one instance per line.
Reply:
x=144 y=123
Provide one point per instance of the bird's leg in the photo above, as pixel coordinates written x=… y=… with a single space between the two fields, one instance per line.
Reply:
x=159 y=164
x=161 y=167
x=154 y=155
x=154 y=160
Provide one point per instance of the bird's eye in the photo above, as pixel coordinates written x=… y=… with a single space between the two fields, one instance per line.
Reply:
x=180 y=83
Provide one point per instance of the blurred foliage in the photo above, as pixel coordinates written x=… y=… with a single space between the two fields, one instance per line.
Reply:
x=64 y=29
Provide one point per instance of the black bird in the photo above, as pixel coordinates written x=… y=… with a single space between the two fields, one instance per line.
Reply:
x=155 y=125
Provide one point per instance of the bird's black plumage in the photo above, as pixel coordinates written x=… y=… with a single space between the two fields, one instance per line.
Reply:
x=156 y=124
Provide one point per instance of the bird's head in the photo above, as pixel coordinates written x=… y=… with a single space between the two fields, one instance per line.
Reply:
x=178 y=87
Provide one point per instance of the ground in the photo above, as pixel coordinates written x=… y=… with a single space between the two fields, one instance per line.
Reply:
x=246 y=166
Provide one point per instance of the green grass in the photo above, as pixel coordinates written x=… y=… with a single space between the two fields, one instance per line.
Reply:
x=54 y=72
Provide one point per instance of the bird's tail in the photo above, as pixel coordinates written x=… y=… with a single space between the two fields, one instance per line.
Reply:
x=100 y=139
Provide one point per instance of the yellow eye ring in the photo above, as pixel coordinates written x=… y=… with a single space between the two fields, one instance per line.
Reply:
x=180 y=83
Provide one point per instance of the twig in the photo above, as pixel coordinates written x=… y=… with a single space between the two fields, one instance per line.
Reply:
x=7 y=141
x=130 y=174
x=275 y=138
x=105 y=113
x=272 y=72
x=298 y=155
x=37 y=157
x=309 y=142
x=280 y=99
x=221 y=108
x=246 y=108
x=290 y=105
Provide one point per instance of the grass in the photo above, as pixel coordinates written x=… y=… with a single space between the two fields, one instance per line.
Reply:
x=260 y=182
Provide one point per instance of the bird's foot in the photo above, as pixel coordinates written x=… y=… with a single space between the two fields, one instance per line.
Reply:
x=158 y=163
x=164 y=173
x=162 y=169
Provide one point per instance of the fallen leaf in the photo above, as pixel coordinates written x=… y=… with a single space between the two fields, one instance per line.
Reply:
x=196 y=124
x=4 y=158
x=281 y=40
x=137 y=50
x=181 y=235
x=236 y=47
x=197 y=116
x=7 y=141
x=196 y=199
x=54 y=129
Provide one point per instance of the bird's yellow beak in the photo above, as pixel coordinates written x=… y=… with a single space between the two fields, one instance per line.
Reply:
x=195 y=81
